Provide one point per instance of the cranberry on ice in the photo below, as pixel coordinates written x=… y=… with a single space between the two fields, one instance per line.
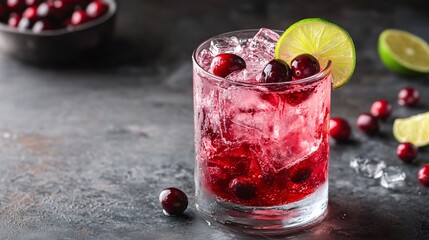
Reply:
x=304 y=65
x=381 y=109
x=340 y=129
x=225 y=63
x=368 y=123
x=276 y=71
x=173 y=201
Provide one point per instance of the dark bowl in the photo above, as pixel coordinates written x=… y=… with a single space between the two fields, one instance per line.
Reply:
x=58 y=46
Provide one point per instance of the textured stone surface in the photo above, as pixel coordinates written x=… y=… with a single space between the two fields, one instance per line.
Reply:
x=86 y=149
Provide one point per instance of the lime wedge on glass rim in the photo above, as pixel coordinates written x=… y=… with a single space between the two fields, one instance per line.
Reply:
x=403 y=52
x=414 y=129
x=325 y=41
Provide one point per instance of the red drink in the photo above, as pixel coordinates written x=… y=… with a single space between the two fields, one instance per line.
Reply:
x=261 y=149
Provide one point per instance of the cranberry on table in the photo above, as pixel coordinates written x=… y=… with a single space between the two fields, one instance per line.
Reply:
x=381 y=109
x=407 y=152
x=14 y=20
x=243 y=188
x=225 y=63
x=276 y=71
x=368 y=123
x=97 y=9
x=173 y=201
x=339 y=129
x=79 y=17
x=423 y=175
x=408 y=96
x=304 y=65
x=16 y=5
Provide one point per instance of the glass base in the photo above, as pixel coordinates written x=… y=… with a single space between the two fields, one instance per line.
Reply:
x=278 y=220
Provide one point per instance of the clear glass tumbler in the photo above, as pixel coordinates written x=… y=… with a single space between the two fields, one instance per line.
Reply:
x=261 y=148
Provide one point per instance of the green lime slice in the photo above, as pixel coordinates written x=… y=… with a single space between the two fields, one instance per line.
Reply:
x=403 y=52
x=325 y=41
x=414 y=129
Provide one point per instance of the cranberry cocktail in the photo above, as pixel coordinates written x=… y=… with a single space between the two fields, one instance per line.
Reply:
x=261 y=133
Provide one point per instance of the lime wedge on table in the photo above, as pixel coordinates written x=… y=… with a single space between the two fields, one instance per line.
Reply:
x=325 y=41
x=403 y=52
x=414 y=129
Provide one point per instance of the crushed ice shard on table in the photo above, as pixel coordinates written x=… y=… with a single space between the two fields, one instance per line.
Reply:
x=393 y=177
x=368 y=167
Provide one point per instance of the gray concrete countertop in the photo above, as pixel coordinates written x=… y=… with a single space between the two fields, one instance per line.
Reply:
x=86 y=148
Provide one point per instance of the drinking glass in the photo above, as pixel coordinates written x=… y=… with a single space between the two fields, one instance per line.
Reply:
x=261 y=162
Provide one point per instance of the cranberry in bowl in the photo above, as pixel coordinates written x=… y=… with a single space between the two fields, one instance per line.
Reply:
x=55 y=31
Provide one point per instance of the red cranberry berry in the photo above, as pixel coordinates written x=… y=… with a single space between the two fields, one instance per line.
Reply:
x=243 y=188
x=31 y=14
x=381 y=109
x=97 y=9
x=45 y=10
x=340 y=129
x=24 y=24
x=33 y=3
x=276 y=71
x=304 y=65
x=225 y=63
x=407 y=152
x=408 y=96
x=173 y=201
x=367 y=123
x=16 y=5
x=64 y=7
x=79 y=17
x=42 y=25
x=55 y=9
x=14 y=20
x=301 y=175
x=423 y=175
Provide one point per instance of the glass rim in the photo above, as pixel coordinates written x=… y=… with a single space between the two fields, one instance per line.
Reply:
x=318 y=76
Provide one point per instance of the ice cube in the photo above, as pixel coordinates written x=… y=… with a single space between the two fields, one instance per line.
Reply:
x=225 y=45
x=205 y=58
x=393 y=177
x=259 y=51
x=264 y=43
x=245 y=75
x=368 y=167
x=250 y=102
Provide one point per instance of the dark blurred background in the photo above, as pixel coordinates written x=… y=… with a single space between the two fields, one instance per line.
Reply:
x=167 y=31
